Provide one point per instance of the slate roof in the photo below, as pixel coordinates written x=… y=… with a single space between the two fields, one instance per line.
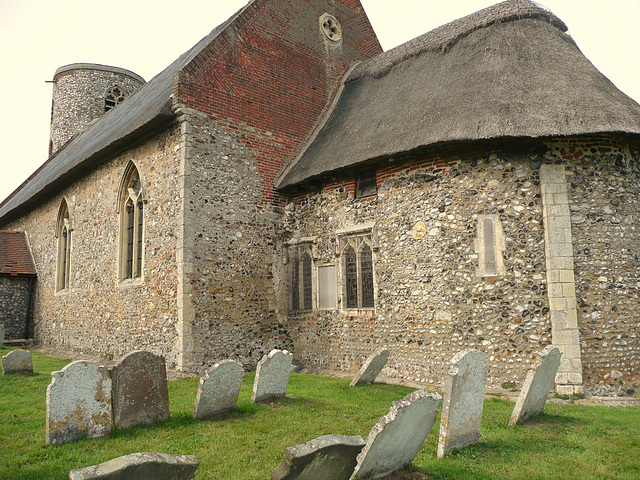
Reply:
x=508 y=71
x=15 y=257
x=143 y=112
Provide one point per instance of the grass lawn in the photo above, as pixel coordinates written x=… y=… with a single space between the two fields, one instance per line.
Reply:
x=565 y=442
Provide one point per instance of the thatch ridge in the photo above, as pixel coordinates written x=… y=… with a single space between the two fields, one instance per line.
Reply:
x=442 y=38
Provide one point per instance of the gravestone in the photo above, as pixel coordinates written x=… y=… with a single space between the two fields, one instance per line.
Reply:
x=395 y=440
x=141 y=466
x=463 y=400
x=17 y=361
x=140 y=394
x=330 y=457
x=371 y=368
x=219 y=390
x=78 y=403
x=272 y=376
x=1 y=336
x=537 y=385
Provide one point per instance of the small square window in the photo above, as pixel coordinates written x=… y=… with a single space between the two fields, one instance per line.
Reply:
x=367 y=185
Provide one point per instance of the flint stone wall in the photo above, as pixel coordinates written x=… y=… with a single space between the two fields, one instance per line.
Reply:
x=430 y=300
x=98 y=313
x=78 y=403
x=14 y=307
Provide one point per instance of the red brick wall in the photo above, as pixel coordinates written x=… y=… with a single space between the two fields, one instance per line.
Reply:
x=269 y=74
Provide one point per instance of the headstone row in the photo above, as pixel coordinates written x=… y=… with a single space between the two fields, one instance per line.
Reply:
x=86 y=400
x=396 y=439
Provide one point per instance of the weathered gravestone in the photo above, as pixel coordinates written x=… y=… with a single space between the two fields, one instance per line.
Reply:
x=141 y=466
x=1 y=336
x=78 y=403
x=464 y=397
x=140 y=394
x=537 y=385
x=219 y=390
x=17 y=361
x=371 y=368
x=396 y=439
x=272 y=376
x=330 y=457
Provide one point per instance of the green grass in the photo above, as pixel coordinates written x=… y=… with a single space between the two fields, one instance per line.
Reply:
x=565 y=442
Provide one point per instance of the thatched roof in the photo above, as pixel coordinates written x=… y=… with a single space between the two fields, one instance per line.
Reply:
x=507 y=71
x=145 y=111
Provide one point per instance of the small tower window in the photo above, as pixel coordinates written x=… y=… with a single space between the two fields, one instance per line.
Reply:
x=331 y=28
x=63 y=233
x=114 y=97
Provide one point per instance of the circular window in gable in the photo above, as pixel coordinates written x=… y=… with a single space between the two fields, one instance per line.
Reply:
x=330 y=27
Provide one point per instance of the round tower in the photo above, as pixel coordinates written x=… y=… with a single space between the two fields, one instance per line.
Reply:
x=83 y=92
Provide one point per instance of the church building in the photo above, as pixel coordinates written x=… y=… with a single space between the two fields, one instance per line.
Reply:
x=287 y=184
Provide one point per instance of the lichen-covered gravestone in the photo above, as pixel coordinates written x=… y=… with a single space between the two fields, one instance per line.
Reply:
x=330 y=457
x=78 y=403
x=395 y=440
x=272 y=376
x=141 y=466
x=219 y=390
x=17 y=361
x=140 y=394
x=537 y=385
x=464 y=397
x=371 y=368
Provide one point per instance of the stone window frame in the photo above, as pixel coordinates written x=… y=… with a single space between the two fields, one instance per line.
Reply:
x=490 y=247
x=130 y=209
x=63 y=242
x=357 y=237
x=330 y=27
x=296 y=251
x=113 y=97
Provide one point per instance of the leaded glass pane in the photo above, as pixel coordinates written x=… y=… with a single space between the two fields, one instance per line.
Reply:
x=306 y=282
x=63 y=269
x=366 y=271
x=295 y=280
x=139 y=242
x=351 y=277
x=130 y=226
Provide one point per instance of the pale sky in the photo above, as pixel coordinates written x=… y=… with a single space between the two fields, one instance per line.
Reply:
x=145 y=36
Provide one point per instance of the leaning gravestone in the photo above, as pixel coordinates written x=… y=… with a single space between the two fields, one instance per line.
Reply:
x=78 y=403
x=219 y=390
x=396 y=439
x=330 y=457
x=272 y=376
x=537 y=385
x=464 y=397
x=371 y=368
x=140 y=394
x=1 y=336
x=141 y=466
x=17 y=361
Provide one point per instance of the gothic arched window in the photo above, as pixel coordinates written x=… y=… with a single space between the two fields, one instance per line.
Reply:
x=114 y=97
x=357 y=271
x=63 y=234
x=300 y=278
x=131 y=216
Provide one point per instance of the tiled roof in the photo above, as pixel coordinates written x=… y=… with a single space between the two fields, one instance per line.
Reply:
x=15 y=257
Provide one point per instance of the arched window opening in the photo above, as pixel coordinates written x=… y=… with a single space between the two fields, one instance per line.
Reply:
x=300 y=277
x=63 y=234
x=131 y=211
x=307 y=291
x=114 y=97
x=358 y=289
